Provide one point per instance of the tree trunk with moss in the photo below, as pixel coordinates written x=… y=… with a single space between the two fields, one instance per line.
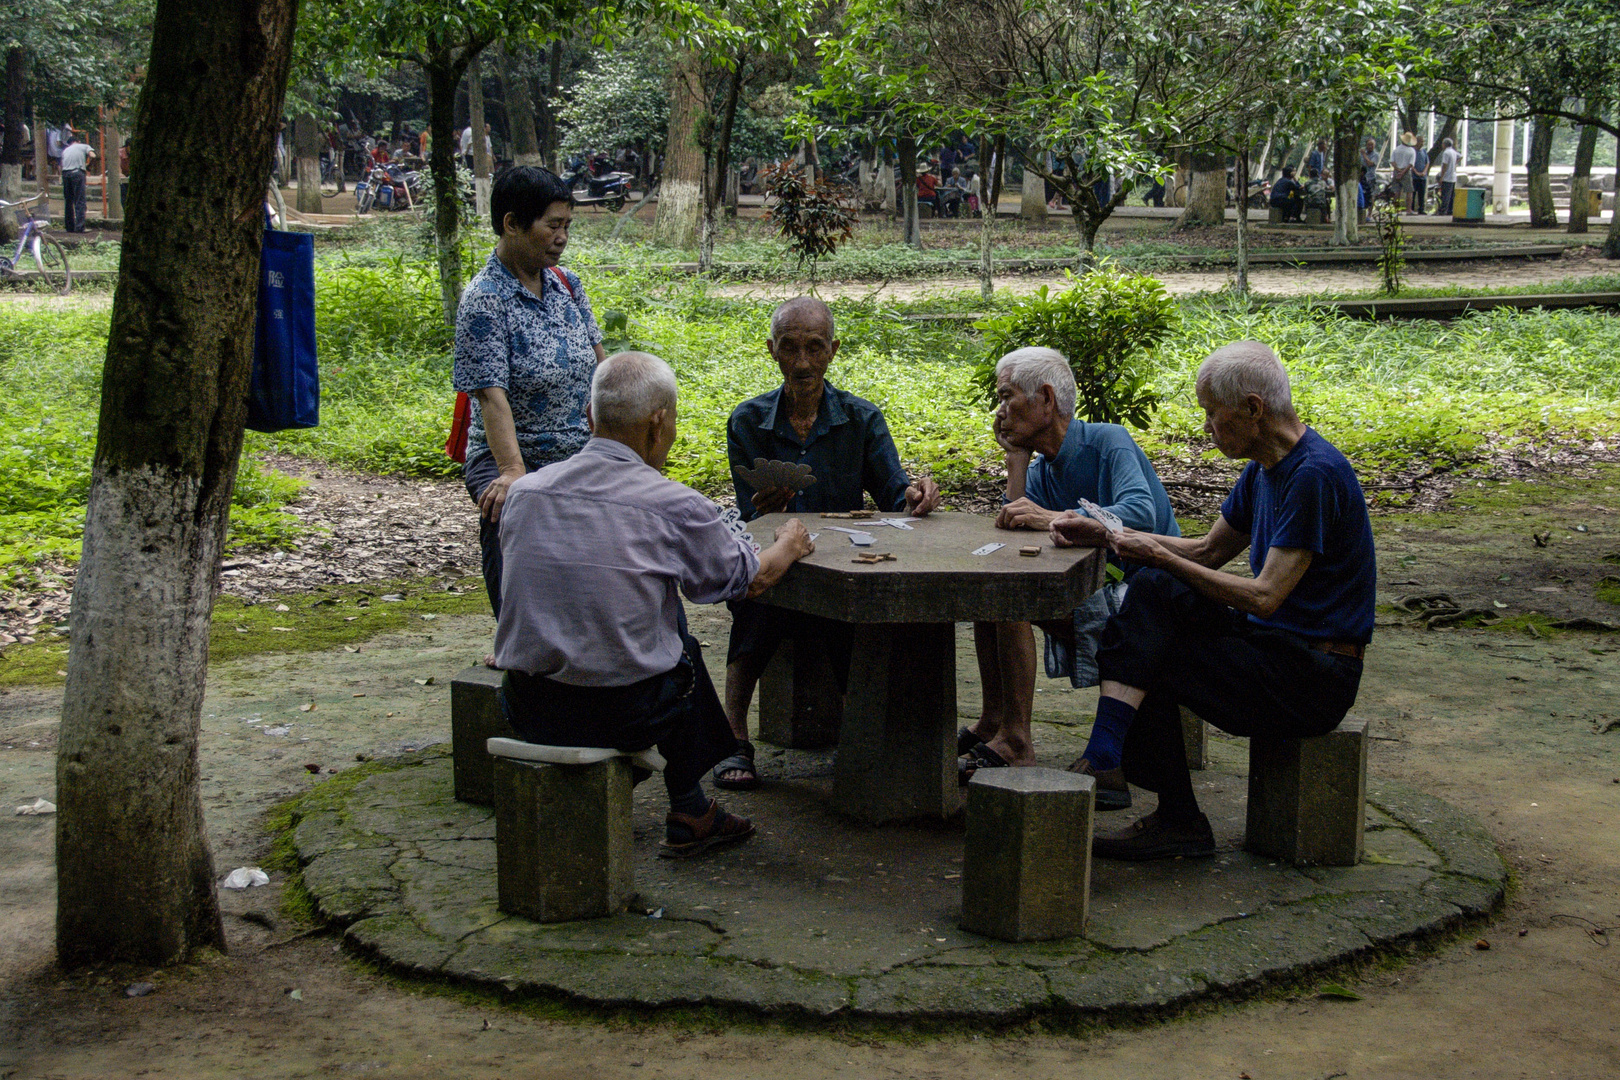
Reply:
x=1580 y=186
x=306 y=140
x=1206 y=191
x=1347 y=184
x=11 y=138
x=519 y=111
x=135 y=878
x=1543 y=214
x=911 y=229
x=680 y=193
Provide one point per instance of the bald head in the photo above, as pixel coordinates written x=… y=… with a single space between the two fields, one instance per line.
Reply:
x=804 y=313
x=627 y=388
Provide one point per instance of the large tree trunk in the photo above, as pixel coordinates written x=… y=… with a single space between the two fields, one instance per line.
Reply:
x=910 y=228
x=11 y=138
x=42 y=167
x=680 y=196
x=482 y=166
x=1611 y=245
x=306 y=139
x=135 y=879
x=1180 y=181
x=1543 y=214
x=1580 y=188
x=443 y=73
x=1448 y=130
x=717 y=164
x=519 y=112
x=1206 y=191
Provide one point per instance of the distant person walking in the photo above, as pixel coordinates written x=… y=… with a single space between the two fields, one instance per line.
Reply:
x=53 y=148
x=1369 y=170
x=75 y=157
x=1420 y=179
x=1448 y=177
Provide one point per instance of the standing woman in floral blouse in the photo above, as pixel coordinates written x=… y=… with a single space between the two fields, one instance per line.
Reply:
x=526 y=347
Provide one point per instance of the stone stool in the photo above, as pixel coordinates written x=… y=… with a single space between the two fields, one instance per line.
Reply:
x=562 y=828
x=1195 y=734
x=1307 y=797
x=1274 y=215
x=475 y=718
x=1026 y=871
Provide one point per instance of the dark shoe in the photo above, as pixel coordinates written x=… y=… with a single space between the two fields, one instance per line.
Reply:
x=742 y=761
x=1153 y=838
x=1113 y=793
x=966 y=741
x=685 y=835
x=980 y=757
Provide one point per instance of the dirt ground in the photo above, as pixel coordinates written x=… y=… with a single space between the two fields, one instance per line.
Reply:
x=1518 y=730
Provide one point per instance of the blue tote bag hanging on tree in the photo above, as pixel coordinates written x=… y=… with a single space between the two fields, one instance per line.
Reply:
x=286 y=387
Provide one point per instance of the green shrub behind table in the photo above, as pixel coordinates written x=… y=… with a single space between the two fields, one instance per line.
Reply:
x=1106 y=323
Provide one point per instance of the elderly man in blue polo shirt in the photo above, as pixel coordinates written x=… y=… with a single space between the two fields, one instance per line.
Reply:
x=847 y=445
x=1054 y=462
x=1277 y=654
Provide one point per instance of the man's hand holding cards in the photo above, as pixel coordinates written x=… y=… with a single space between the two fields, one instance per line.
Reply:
x=775 y=482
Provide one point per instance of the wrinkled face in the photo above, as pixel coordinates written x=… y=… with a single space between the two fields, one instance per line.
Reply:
x=546 y=237
x=1234 y=430
x=1024 y=417
x=803 y=348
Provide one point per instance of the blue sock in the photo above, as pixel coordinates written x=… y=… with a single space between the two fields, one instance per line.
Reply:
x=1108 y=733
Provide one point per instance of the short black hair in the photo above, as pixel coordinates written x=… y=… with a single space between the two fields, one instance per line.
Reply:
x=1288 y=171
x=525 y=192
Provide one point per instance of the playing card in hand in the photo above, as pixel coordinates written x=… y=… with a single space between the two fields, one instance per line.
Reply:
x=1110 y=520
x=772 y=475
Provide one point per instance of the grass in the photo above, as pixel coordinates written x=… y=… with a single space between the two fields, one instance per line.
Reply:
x=329 y=617
x=1393 y=396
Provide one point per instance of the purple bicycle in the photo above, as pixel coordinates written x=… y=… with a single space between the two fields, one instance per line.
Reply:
x=46 y=254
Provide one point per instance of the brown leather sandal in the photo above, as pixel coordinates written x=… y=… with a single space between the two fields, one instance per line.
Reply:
x=685 y=835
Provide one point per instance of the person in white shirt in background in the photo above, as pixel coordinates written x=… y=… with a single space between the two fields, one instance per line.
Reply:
x=76 y=156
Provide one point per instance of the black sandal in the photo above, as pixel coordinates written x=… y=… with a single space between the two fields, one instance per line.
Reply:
x=741 y=761
x=980 y=757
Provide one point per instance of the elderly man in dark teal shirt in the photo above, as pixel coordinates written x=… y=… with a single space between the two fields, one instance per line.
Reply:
x=846 y=442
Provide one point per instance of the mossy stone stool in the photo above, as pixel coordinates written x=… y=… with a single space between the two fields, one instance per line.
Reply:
x=476 y=718
x=562 y=829
x=1026 y=867
x=1308 y=797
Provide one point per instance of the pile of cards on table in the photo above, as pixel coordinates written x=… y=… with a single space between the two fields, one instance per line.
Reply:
x=771 y=475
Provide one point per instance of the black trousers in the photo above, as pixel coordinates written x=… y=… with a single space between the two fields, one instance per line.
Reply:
x=678 y=712
x=73 y=200
x=1184 y=649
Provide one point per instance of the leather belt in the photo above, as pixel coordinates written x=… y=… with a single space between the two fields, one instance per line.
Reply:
x=1340 y=648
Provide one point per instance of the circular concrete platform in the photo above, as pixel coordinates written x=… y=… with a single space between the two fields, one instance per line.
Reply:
x=815 y=916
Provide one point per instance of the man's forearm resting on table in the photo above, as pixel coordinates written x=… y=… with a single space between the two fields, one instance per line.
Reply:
x=773 y=563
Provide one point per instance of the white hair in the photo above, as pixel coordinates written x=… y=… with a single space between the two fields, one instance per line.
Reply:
x=1232 y=372
x=1033 y=367
x=628 y=387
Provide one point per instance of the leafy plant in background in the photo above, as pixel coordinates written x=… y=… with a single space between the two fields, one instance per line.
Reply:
x=1105 y=323
x=812 y=218
x=1386 y=217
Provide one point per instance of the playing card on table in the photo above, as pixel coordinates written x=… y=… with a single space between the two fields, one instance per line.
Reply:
x=771 y=475
x=1110 y=520
x=734 y=524
x=988 y=548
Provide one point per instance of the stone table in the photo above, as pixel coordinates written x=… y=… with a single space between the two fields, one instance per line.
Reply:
x=897 y=742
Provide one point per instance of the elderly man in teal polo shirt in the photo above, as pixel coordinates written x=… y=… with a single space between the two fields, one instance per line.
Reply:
x=1055 y=463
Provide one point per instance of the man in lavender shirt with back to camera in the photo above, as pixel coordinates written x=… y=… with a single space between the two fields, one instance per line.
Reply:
x=596 y=551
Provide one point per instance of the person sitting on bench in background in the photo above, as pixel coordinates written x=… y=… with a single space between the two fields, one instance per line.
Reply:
x=1288 y=196
x=1276 y=655
x=1076 y=460
x=846 y=442
x=596 y=551
x=1319 y=194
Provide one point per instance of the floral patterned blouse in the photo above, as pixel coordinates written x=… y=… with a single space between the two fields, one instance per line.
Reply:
x=540 y=349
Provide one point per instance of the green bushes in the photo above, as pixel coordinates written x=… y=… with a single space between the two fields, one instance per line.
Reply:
x=1105 y=323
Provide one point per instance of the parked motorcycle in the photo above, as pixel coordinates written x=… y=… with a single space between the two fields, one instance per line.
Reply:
x=611 y=190
x=388 y=187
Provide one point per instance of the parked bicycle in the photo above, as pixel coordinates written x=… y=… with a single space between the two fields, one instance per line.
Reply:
x=47 y=255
